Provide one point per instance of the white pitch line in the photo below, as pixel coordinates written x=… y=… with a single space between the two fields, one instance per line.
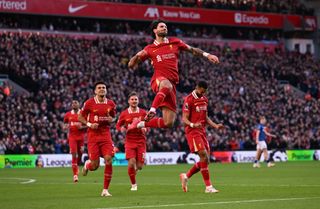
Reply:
x=28 y=181
x=23 y=180
x=218 y=185
x=213 y=203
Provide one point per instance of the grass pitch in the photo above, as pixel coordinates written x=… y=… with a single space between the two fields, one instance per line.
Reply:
x=291 y=185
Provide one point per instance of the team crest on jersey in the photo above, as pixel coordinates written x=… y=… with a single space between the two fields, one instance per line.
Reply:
x=96 y=118
x=197 y=109
x=186 y=106
x=170 y=46
x=159 y=58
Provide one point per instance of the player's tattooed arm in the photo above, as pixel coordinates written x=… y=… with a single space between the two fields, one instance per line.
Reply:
x=136 y=59
x=199 y=52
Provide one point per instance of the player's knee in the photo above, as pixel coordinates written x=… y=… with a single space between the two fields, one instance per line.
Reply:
x=108 y=160
x=203 y=156
x=166 y=84
x=169 y=123
x=132 y=162
x=95 y=165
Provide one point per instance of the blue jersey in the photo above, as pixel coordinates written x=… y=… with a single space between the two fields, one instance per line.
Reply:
x=262 y=135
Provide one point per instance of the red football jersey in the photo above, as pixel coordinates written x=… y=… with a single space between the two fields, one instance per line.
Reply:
x=197 y=109
x=97 y=112
x=126 y=118
x=71 y=118
x=164 y=58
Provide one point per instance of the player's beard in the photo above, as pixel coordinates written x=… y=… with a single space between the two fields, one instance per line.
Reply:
x=162 y=34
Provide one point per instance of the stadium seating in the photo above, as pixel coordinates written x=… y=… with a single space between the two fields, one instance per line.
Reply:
x=242 y=87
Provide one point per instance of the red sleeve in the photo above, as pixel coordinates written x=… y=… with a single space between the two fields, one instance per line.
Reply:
x=120 y=121
x=186 y=105
x=85 y=109
x=113 y=111
x=182 y=45
x=146 y=56
x=66 y=118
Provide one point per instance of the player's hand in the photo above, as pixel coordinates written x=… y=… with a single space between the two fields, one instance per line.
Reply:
x=123 y=129
x=94 y=125
x=197 y=125
x=219 y=126
x=213 y=58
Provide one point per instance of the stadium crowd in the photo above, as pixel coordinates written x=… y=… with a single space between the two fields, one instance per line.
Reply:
x=244 y=86
x=272 y=6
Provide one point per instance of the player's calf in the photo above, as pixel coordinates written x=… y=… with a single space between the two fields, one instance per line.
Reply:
x=85 y=169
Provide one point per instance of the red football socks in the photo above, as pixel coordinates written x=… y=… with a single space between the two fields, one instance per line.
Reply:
x=107 y=176
x=158 y=99
x=74 y=166
x=155 y=123
x=205 y=173
x=132 y=175
x=195 y=169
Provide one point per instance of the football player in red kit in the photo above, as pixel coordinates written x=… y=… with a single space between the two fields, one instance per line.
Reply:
x=97 y=113
x=195 y=118
x=76 y=135
x=164 y=53
x=135 y=142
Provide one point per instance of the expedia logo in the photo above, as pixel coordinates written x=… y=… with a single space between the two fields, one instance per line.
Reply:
x=152 y=12
x=250 y=19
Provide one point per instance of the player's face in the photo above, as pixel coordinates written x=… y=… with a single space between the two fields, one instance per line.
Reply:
x=161 y=30
x=133 y=101
x=101 y=90
x=201 y=91
x=263 y=120
x=75 y=104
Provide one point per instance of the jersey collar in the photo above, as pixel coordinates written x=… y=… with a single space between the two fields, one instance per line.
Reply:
x=130 y=110
x=105 y=101
x=166 y=40
x=73 y=112
x=194 y=94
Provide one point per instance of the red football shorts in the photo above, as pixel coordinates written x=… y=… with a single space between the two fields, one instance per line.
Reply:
x=136 y=150
x=100 y=149
x=170 y=101
x=76 y=146
x=197 y=141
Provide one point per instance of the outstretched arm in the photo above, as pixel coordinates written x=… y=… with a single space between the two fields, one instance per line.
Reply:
x=269 y=134
x=213 y=124
x=199 y=52
x=136 y=59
